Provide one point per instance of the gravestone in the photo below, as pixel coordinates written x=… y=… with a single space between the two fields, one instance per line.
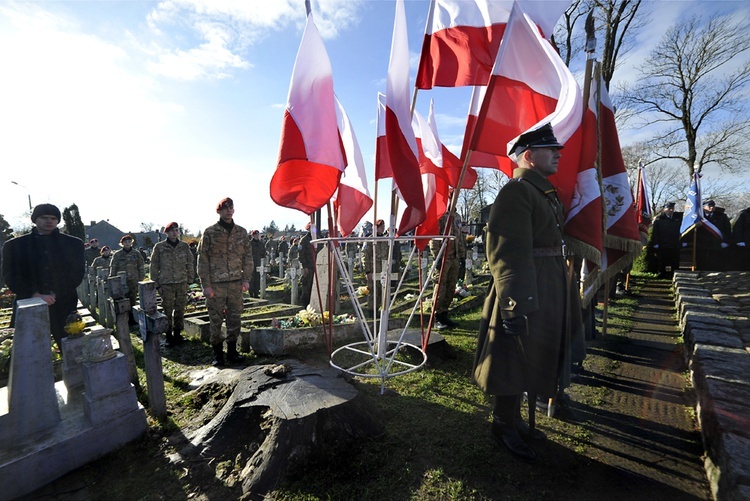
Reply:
x=321 y=281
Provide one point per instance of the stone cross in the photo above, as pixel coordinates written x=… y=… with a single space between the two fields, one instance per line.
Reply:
x=281 y=265
x=119 y=305
x=91 y=289
x=294 y=274
x=103 y=312
x=469 y=274
x=152 y=324
x=262 y=271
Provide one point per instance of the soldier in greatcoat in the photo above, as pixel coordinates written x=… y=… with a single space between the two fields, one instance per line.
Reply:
x=523 y=340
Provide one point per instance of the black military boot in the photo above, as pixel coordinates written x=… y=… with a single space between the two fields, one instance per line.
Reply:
x=504 y=428
x=177 y=337
x=232 y=355
x=218 y=355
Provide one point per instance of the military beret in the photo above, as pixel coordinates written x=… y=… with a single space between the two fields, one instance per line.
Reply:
x=126 y=237
x=171 y=225
x=45 y=210
x=225 y=203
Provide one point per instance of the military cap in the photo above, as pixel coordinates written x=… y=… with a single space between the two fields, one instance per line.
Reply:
x=669 y=205
x=543 y=137
x=104 y=249
x=171 y=225
x=126 y=237
x=45 y=210
x=709 y=203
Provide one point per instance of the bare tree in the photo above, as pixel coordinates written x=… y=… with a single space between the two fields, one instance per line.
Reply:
x=692 y=88
x=564 y=37
x=619 y=23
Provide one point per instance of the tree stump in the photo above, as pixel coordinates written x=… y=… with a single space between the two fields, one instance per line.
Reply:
x=278 y=418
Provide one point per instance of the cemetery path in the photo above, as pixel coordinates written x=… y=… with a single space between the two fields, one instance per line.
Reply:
x=630 y=433
x=634 y=410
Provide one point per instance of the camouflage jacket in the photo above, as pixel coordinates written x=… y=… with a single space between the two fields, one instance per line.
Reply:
x=101 y=262
x=171 y=264
x=224 y=256
x=129 y=262
x=455 y=248
x=381 y=254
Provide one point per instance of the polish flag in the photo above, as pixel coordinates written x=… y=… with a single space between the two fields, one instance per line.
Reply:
x=352 y=200
x=383 y=169
x=622 y=221
x=479 y=158
x=643 y=203
x=622 y=239
x=462 y=38
x=530 y=86
x=402 y=144
x=434 y=175
x=584 y=225
x=311 y=160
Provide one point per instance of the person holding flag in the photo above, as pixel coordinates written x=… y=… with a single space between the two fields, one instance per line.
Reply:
x=523 y=335
x=665 y=239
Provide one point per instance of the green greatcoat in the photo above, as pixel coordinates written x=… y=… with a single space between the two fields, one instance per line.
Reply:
x=526 y=215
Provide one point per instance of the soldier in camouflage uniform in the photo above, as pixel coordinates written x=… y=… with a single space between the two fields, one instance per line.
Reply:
x=172 y=268
x=225 y=265
x=374 y=264
x=455 y=252
x=92 y=251
x=131 y=262
x=104 y=258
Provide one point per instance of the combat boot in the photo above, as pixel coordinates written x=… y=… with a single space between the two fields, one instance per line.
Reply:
x=177 y=337
x=218 y=360
x=504 y=427
x=170 y=340
x=232 y=356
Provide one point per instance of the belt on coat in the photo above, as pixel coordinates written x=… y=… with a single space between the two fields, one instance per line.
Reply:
x=561 y=251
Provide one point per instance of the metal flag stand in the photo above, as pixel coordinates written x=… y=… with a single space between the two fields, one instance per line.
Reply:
x=378 y=356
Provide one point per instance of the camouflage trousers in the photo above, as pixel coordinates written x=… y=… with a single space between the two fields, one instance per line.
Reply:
x=132 y=292
x=228 y=304
x=442 y=299
x=173 y=301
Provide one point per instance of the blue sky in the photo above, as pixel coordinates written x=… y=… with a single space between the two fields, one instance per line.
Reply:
x=148 y=112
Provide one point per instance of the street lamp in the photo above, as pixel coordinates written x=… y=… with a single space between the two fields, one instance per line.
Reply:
x=27 y=192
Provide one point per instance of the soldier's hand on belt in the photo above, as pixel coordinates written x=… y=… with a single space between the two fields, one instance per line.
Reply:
x=515 y=326
x=208 y=292
x=245 y=286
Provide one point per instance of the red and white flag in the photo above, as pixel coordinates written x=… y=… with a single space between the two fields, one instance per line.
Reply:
x=480 y=158
x=462 y=38
x=530 y=86
x=434 y=175
x=584 y=224
x=643 y=203
x=622 y=223
x=402 y=144
x=310 y=157
x=352 y=200
x=383 y=169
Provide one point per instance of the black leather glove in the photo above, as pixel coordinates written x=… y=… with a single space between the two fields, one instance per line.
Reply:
x=515 y=326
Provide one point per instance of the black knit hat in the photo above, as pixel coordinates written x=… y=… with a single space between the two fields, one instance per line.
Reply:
x=45 y=210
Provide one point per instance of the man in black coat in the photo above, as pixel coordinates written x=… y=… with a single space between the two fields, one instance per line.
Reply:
x=307 y=260
x=259 y=253
x=709 y=254
x=665 y=239
x=46 y=264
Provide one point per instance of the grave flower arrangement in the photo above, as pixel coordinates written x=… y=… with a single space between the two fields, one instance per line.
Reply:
x=311 y=318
